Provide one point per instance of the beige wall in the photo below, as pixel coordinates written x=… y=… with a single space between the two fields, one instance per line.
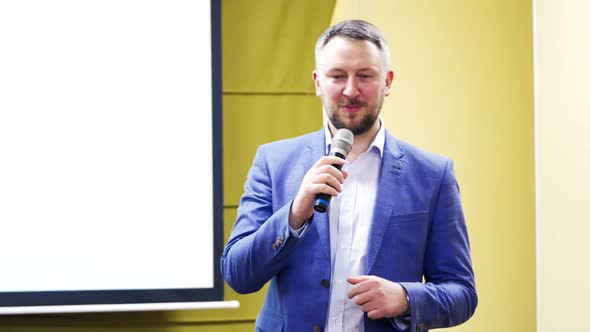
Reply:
x=562 y=130
x=463 y=87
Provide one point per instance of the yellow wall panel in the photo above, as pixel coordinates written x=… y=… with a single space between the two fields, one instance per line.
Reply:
x=269 y=44
x=251 y=120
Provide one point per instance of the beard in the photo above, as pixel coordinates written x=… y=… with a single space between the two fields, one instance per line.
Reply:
x=365 y=124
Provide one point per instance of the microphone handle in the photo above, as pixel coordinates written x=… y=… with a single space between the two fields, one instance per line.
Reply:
x=322 y=201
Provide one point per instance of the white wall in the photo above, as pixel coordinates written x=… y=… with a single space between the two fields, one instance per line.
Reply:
x=562 y=130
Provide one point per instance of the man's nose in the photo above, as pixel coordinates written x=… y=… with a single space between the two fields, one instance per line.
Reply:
x=351 y=89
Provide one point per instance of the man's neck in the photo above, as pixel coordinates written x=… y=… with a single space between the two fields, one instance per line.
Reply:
x=361 y=142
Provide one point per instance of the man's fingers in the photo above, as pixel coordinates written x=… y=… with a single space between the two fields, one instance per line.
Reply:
x=322 y=178
x=329 y=160
x=362 y=299
x=329 y=169
x=376 y=313
x=326 y=165
x=323 y=188
x=370 y=306
x=356 y=279
x=330 y=180
x=360 y=285
x=322 y=184
x=345 y=174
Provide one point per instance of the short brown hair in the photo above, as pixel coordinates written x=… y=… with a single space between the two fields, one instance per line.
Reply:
x=354 y=29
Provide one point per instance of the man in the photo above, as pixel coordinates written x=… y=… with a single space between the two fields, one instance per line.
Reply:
x=392 y=252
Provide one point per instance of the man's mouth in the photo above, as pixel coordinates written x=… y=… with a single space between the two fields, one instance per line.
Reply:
x=351 y=107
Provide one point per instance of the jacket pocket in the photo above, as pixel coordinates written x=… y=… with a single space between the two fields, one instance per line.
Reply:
x=421 y=216
x=266 y=322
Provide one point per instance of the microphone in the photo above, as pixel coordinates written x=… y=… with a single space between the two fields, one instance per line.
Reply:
x=340 y=147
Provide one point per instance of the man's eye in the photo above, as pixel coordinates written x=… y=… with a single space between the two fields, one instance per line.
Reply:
x=337 y=77
x=365 y=76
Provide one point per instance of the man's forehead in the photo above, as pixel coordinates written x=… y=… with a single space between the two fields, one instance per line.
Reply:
x=348 y=51
x=347 y=54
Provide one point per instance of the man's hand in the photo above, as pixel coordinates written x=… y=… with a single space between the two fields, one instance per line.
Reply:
x=321 y=178
x=378 y=297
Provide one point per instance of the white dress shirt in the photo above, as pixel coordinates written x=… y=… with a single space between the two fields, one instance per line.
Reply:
x=351 y=214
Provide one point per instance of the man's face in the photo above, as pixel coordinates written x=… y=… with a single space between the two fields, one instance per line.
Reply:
x=352 y=81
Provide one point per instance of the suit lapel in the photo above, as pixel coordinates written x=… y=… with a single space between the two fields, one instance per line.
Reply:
x=316 y=148
x=390 y=181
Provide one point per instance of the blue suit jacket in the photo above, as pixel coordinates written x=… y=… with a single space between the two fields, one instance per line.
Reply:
x=418 y=231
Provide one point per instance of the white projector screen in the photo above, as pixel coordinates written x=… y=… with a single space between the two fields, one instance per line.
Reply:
x=110 y=152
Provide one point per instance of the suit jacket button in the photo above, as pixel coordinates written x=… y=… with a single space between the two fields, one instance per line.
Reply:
x=421 y=326
x=317 y=328
x=326 y=283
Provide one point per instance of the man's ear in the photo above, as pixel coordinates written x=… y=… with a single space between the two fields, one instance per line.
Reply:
x=316 y=83
x=388 y=81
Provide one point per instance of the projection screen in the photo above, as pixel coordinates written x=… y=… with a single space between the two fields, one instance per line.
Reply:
x=110 y=155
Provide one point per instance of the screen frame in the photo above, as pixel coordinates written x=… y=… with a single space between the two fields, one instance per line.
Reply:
x=11 y=301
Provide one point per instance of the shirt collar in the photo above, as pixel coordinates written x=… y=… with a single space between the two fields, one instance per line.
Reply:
x=377 y=143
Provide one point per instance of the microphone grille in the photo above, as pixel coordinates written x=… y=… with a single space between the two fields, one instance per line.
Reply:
x=343 y=140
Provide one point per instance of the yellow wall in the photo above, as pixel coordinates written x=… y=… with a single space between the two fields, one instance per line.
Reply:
x=463 y=87
x=562 y=130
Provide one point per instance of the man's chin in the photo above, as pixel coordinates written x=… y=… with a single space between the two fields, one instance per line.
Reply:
x=356 y=128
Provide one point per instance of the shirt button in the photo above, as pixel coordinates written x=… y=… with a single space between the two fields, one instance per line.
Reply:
x=326 y=283
x=317 y=328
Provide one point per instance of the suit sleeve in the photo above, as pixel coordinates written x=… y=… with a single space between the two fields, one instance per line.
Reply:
x=448 y=296
x=261 y=240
